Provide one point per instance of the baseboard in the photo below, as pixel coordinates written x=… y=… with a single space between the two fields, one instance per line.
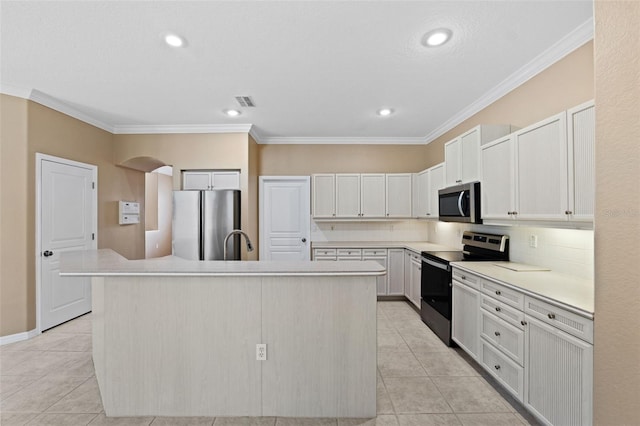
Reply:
x=12 y=338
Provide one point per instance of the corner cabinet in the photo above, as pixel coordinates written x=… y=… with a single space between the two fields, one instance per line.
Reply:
x=539 y=352
x=428 y=183
x=544 y=172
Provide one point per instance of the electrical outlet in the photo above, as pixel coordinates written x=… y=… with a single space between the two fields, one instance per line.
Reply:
x=533 y=241
x=261 y=352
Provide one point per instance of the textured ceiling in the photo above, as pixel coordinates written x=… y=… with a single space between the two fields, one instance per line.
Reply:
x=315 y=69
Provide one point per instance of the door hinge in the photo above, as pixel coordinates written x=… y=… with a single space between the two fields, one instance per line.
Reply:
x=93 y=236
x=93 y=185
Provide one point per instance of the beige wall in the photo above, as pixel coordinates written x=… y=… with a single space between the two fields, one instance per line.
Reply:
x=293 y=160
x=565 y=84
x=254 y=172
x=617 y=221
x=15 y=294
x=196 y=151
x=159 y=200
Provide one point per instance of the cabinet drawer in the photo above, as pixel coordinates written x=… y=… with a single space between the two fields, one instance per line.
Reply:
x=503 y=294
x=507 y=372
x=471 y=280
x=374 y=252
x=323 y=258
x=504 y=336
x=577 y=326
x=350 y=252
x=324 y=252
x=502 y=310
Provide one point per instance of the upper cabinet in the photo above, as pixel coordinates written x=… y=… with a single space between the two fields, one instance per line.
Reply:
x=461 y=155
x=544 y=172
x=362 y=196
x=210 y=179
x=428 y=182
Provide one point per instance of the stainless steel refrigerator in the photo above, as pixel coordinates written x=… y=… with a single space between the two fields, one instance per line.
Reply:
x=202 y=220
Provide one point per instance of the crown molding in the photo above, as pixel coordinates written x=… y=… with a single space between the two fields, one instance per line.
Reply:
x=578 y=37
x=342 y=141
x=55 y=104
x=18 y=92
x=181 y=128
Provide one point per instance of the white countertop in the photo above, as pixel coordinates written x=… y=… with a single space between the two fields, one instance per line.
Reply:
x=575 y=294
x=416 y=246
x=106 y=262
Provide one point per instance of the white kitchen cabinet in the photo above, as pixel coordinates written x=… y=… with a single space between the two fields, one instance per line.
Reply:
x=322 y=254
x=324 y=195
x=378 y=255
x=462 y=154
x=395 y=272
x=210 y=179
x=465 y=313
x=541 y=170
x=398 y=195
x=558 y=375
x=497 y=176
x=348 y=195
x=428 y=183
x=412 y=269
x=372 y=195
x=581 y=154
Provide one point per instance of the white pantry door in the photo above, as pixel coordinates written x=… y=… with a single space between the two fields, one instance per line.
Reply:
x=68 y=220
x=285 y=210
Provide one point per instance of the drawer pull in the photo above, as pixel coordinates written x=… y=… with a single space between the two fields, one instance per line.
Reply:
x=552 y=316
x=523 y=322
x=498 y=309
x=498 y=292
x=464 y=277
x=497 y=333
x=497 y=367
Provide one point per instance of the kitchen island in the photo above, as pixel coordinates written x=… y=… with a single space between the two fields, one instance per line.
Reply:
x=173 y=337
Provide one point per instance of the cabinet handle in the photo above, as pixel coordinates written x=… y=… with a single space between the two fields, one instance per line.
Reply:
x=552 y=316
x=334 y=214
x=498 y=292
x=515 y=213
x=459 y=181
x=387 y=214
x=464 y=277
x=497 y=333
x=428 y=214
x=509 y=213
x=419 y=268
x=568 y=212
x=523 y=322
x=497 y=367
x=498 y=309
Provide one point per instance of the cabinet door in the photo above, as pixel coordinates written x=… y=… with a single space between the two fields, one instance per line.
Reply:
x=324 y=195
x=541 y=167
x=398 y=194
x=469 y=155
x=347 y=195
x=196 y=180
x=372 y=195
x=423 y=197
x=416 y=268
x=395 y=271
x=381 y=281
x=581 y=124
x=225 y=180
x=407 y=274
x=464 y=318
x=497 y=179
x=436 y=182
x=452 y=163
x=558 y=375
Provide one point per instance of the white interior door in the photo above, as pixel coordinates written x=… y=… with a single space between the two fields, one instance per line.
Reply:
x=67 y=222
x=285 y=218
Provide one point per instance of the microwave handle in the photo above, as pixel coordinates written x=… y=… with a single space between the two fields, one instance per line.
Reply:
x=460 y=209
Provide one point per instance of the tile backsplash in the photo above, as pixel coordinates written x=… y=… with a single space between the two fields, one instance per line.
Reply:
x=568 y=251
x=407 y=230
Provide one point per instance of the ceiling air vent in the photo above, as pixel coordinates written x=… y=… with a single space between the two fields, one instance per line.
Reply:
x=245 y=101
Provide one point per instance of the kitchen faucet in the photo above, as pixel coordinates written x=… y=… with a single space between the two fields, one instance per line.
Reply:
x=236 y=231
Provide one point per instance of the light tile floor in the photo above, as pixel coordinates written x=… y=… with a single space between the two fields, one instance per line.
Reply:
x=50 y=380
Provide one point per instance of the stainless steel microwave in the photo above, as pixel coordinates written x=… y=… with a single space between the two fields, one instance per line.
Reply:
x=460 y=203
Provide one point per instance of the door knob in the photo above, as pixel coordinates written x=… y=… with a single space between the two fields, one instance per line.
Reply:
x=47 y=253
x=304 y=240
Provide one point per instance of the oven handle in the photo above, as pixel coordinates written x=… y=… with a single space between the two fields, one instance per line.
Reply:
x=435 y=264
x=460 y=203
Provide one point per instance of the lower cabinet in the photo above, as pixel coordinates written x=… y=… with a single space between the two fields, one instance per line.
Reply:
x=395 y=272
x=540 y=353
x=412 y=270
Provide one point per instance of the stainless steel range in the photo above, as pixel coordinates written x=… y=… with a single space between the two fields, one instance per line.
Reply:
x=436 y=285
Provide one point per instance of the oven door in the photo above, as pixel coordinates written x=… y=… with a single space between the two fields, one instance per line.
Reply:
x=436 y=286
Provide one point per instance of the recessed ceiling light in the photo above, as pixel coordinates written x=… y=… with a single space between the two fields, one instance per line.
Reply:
x=174 y=40
x=436 y=37
x=383 y=112
x=232 y=112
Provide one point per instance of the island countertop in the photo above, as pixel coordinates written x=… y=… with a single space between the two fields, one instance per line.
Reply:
x=106 y=262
